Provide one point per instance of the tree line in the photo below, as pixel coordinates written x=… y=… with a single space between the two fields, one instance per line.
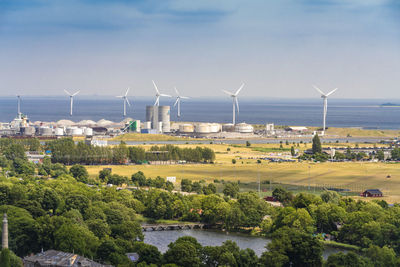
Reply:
x=67 y=152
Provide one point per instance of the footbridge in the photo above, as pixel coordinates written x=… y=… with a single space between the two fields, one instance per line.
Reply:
x=170 y=227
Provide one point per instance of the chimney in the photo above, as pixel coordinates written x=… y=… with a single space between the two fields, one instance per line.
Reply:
x=4 y=239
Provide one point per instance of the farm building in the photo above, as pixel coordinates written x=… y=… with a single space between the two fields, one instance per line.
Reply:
x=372 y=193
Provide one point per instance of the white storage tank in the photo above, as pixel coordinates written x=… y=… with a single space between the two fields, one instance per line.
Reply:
x=77 y=131
x=215 y=127
x=45 y=131
x=70 y=130
x=89 y=131
x=228 y=127
x=202 y=128
x=186 y=128
x=29 y=130
x=59 y=131
x=244 y=128
x=147 y=125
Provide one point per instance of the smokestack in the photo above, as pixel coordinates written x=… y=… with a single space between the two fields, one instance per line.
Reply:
x=4 y=239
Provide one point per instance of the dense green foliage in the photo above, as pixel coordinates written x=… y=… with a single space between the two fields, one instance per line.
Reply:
x=67 y=152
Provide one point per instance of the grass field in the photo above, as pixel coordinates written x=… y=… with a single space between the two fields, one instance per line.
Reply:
x=299 y=176
x=148 y=137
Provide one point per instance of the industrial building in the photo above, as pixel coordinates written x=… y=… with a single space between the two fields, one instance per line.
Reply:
x=157 y=119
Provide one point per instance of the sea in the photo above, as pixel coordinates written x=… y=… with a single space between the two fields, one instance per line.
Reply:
x=368 y=114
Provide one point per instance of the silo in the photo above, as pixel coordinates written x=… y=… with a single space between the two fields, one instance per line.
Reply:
x=228 y=127
x=244 y=128
x=186 y=128
x=29 y=130
x=202 y=128
x=215 y=127
x=164 y=117
x=152 y=115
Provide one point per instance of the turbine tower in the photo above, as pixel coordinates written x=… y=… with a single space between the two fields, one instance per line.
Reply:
x=71 y=100
x=125 y=99
x=178 y=101
x=234 y=102
x=157 y=103
x=325 y=100
x=19 y=104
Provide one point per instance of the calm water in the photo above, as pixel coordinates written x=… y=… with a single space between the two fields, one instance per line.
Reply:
x=161 y=239
x=341 y=112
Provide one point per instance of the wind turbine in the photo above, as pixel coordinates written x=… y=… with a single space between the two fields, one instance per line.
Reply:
x=19 y=104
x=178 y=101
x=157 y=103
x=71 y=99
x=234 y=101
x=325 y=99
x=125 y=99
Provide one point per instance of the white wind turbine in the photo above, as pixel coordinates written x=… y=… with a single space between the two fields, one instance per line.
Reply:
x=178 y=101
x=157 y=103
x=325 y=99
x=234 y=101
x=19 y=104
x=125 y=99
x=71 y=100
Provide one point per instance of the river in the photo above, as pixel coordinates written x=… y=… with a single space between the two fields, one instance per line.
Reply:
x=161 y=239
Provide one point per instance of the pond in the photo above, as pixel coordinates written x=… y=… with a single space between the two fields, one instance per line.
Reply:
x=161 y=239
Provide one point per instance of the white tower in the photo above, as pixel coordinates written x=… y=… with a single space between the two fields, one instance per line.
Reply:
x=4 y=238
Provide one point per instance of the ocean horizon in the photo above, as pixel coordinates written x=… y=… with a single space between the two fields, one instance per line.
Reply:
x=364 y=113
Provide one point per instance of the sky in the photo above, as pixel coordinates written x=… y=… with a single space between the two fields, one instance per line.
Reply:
x=278 y=48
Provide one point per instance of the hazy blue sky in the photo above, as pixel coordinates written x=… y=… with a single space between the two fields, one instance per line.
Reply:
x=279 y=48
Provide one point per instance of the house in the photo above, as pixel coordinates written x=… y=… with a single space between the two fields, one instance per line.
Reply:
x=372 y=193
x=56 y=258
x=35 y=157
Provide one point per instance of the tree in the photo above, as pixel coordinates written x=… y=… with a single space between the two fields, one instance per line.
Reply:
x=104 y=174
x=282 y=195
x=185 y=252
x=186 y=185
x=233 y=161
x=248 y=143
x=80 y=173
x=348 y=259
x=316 y=144
x=139 y=178
x=380 y=155
x=231 y=189
x=290 y=247
x=292 y=152
x=148 y=253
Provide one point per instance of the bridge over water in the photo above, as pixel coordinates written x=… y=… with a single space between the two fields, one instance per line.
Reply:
x=177 y=226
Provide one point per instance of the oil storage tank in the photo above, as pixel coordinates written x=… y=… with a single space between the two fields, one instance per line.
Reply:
x=88 y=131
x=202 y=128
x=45 y=131
x=77 y=131
x=59 y=131
x=164 y=117
x=228 y=127
x=215 y=127
x=28 y=131
x=244 y=128
x=186 y=128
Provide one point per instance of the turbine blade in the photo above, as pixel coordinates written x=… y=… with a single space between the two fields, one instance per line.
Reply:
x=127 y=101
x=184 y=97
x=68 y=93
x=127 y=91
x=228 y=93
x=176 y=91
x=155 y=86
x=237 y=104
x=331 y=92
x=165 y=95
x=176 y=102
x=319 y=90
x=157 y=101
x=237 y=92
x=120 y=96
x=77 y=92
